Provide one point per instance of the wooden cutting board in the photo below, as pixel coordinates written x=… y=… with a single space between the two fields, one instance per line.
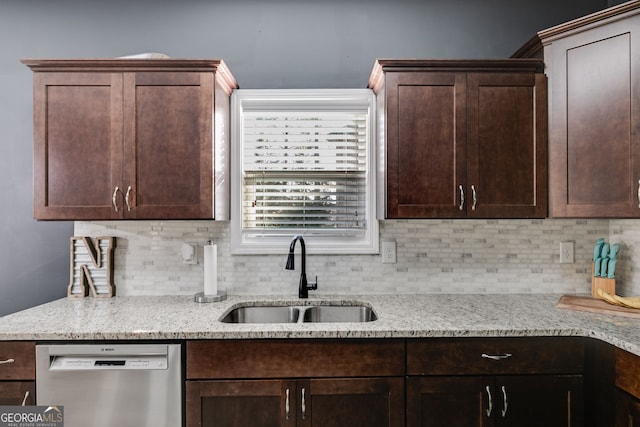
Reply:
x=594 y=305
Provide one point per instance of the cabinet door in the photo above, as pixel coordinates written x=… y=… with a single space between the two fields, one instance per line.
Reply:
x=366 y=402
x=627 y=410
x=507 y=145
x=17 y=360
x=14 y=393
x=361 y=402
x=627 y=372
x=77 y=145
x=425 y=144
x=450 y=401
x=594 y=147
x=240 y=403
x=517 y=401
x=539 y=400
x=168 y=145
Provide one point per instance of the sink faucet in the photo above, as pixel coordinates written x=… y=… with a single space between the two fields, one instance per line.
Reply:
x=303 y=287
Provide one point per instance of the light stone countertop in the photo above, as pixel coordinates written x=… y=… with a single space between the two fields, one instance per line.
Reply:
x=399 y=316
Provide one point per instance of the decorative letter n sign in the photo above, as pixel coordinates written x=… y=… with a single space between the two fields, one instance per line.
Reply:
x=91 y=267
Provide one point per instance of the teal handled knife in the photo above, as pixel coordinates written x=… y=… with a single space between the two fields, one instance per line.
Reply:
x=604 y=255
x=598 y=249
x=603 y=267
x=611 y=267
x=596 y=270
x=614 y=251
x=605 y=250
x=597 y=256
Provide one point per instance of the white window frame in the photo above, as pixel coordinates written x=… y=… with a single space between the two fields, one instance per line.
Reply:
x=318 y=242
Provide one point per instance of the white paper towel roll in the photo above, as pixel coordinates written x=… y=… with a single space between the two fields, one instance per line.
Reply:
x=210 y=269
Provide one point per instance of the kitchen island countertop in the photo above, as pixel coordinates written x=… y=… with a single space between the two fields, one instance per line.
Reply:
x=399 y=316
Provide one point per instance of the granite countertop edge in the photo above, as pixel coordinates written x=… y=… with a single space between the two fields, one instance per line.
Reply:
x=178 y=317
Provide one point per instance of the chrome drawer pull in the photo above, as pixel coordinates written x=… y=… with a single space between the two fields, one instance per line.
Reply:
x=639 y=193
x=490 y=409
x=461 y=207
x=475 y=198
x=24 y=401
x=113 y=198
x=126 y=199
x=6 y=362
x=496 y=356
x=504 y=395
x=286 y=405
x=304 y=405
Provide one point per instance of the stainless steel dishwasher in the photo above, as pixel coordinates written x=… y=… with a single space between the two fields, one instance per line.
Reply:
x=106 y=385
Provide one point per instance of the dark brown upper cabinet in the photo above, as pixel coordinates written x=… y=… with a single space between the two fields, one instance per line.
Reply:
x=131 y=139
x=593 y=66
x=461 y=138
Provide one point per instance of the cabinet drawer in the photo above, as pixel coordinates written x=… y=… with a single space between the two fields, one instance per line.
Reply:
x=17 y=360
x=628 y=372
x=495 y=356
x=294 y=358
x=15 y=393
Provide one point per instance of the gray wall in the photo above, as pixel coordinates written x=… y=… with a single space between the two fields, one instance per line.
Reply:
x=266 y=43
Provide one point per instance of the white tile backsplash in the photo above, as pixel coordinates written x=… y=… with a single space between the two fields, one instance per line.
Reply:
x=433 y=256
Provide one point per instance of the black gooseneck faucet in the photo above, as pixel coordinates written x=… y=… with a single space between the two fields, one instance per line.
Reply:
x=303 y=287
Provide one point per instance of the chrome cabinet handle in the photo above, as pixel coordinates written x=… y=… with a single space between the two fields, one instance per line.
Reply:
x=126 y=199
x=639 y=193
x=24 y=401
x=7 y=361
x=496 y=356
x=113 y=198
x=286 y=405
x=490 y=408
x=304 y=405
x=504 y=396
x=475 y=198
x=461 y=188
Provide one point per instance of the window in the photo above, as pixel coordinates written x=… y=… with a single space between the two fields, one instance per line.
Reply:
x=303 y=164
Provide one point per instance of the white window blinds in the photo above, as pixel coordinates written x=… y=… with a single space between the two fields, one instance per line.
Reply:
x=304 y=170
x=303 y=163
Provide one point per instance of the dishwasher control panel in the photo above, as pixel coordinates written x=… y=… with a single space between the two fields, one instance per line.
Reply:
x=107 y=363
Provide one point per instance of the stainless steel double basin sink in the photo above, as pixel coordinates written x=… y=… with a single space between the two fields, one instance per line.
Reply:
x=300 y=314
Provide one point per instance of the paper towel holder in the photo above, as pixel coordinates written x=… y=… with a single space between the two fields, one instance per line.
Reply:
x=210 y=294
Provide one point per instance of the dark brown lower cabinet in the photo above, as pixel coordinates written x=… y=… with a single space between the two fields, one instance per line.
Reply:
x=430 y=382
x=328 y=402
x=13 y=393
x=627 y=410
x=627 y=374
x=540 y=400
x=519 y=382
x=239 y=403
x=303 y=383
x=447 y=401
x=355 y=402
x=17 y=373
x=519 y=401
